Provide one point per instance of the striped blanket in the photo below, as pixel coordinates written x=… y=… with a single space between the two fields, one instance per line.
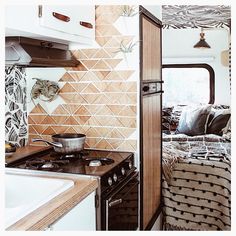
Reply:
x=196 y=184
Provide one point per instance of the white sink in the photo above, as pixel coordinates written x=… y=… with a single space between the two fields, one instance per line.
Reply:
x=24 y=194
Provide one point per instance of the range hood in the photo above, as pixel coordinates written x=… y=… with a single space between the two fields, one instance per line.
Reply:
x=37 y=53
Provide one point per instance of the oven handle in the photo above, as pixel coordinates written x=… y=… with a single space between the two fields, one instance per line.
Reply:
x=115 y=202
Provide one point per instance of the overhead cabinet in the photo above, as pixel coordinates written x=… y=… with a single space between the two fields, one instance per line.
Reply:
x=67 y=24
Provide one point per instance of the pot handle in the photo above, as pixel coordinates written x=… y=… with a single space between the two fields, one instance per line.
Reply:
x=55 y=144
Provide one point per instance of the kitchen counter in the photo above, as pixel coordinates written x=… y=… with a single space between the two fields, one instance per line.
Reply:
x=23 y=152
x=51 y=211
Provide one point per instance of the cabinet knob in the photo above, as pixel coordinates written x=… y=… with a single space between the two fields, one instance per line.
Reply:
x=86 y=24
x=61 y=17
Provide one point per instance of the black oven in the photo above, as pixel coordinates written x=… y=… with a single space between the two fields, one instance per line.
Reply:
x=120 y=207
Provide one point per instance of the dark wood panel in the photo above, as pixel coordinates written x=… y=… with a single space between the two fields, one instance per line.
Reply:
x=151 y=156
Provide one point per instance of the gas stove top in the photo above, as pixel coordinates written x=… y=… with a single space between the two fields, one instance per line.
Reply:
x=87 y=162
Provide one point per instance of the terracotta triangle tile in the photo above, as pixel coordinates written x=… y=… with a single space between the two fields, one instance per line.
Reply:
x=103 y=144
x=107 y=30
x=78 y=54
x=59 y=129
x=102 y=40
x=67 y=97
x=38 y=118
x=128 y=122
x=38 y=109
x=116 y=109
x=71 y=130
x=78 y=75
x=66 y=77
x=127 y=132
x=106 y=19
x=90 y=98
x=90 y=76
x=48 y=120
x=125 y=146
x=101 y=54
x=32 y=130
x=101 y=65
x=90 y=89
x=133 y=143
x=82 y=111
x=112 y=51
x=104 y=111
x=91 y=142
x=127 y=111
x=60 y=110
x=92 y=121
x=71 y=121
x=101 y=74
x=92 y=109
x=103 y=131
x=131 y=87
x=112 y=62
x=89 y=63
x=71 y=108
x=59 y=119
x=90 y=52
x=132 y=97
x=79 y=129
x=67 y=88
x=49 y=131
x=115 y=143
x=79 y=87
x=92 y=133
x=125 y=74
x=112 y=43
x=80 y=67
x=40 y=128
x=115 y=134
x=81 y=120
x=30 y=120
x=113 y=75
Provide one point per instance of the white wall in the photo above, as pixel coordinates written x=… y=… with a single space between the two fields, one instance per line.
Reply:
x=156 y=10
x=178 y=48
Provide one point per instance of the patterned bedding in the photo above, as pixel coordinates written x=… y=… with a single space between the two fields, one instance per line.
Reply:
x=196 y=184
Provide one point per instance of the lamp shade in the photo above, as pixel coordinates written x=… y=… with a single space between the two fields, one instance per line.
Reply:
x=202 y=43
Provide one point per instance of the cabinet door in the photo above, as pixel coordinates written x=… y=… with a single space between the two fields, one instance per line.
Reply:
x=81 y=217
x=151 y=50
x=151 y=157
x=74 y=20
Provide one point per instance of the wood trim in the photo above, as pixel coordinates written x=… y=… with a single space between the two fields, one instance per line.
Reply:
x=156 y=21
x=200 y=65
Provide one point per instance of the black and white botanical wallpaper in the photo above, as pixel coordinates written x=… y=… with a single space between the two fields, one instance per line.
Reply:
x=195 y=16
x=15 y=106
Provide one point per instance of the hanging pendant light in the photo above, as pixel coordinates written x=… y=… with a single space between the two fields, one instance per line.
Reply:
x=202 y=43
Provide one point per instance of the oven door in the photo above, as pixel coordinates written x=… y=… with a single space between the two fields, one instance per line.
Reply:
x=121 y=206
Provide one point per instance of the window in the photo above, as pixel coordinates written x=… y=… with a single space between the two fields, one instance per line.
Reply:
x=188 y=84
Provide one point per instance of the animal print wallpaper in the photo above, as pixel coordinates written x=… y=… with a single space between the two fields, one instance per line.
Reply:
x=15 y=106
x=195 y=16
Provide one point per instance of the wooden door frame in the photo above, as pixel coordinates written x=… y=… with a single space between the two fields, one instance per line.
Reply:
x=150 y=17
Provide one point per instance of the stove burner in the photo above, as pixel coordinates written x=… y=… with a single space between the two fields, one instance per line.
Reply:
x=39 y=164
x=98 y=161
x=95 y=163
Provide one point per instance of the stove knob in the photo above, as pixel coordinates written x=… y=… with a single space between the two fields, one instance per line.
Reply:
x=114 y=177
x=109 y=181
x=123 y=171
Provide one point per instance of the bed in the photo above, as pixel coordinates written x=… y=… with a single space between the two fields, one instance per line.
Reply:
x=196 y=182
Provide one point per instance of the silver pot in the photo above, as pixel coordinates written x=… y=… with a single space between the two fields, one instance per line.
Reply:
x=65 y=143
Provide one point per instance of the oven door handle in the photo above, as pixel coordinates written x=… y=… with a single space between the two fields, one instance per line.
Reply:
x=115 y=202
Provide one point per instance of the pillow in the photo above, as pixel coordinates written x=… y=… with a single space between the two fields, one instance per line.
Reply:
x=166 y=118
x=193 y=120
x=220 y=122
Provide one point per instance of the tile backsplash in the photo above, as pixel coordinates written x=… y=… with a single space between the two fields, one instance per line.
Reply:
x=15 y=106
x=97 y=98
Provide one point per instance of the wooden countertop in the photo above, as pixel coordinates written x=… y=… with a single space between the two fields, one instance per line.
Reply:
x=48 y=213
x=23 y=152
